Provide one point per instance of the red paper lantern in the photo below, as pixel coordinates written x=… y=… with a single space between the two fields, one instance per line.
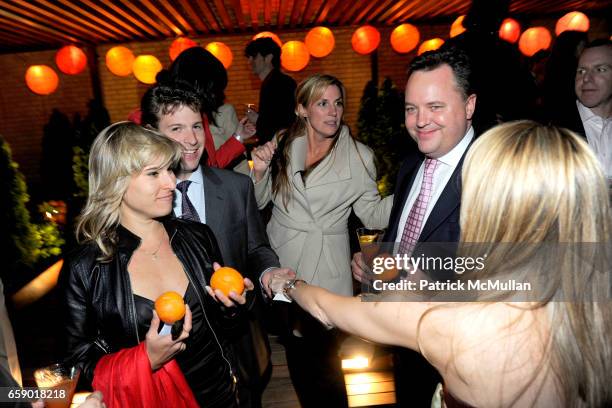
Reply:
x=119 y=61
x=533 y=40
x=146 y=68
x=294 y=56
x=179 y=45
x=575 y=21
x=71 y=60
x=430 y=45
x=457 y=27
x=320 y=42
x=269 y=34
x=510 y=30
x=405 y=38
x=365 y=40
x=41 y=79
x=222 y=52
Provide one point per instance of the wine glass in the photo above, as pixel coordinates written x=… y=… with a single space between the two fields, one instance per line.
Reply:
x=60 y=381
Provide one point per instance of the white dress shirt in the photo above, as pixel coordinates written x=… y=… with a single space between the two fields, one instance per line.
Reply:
x=448 y=164
x=195 y=194
x=599 y=135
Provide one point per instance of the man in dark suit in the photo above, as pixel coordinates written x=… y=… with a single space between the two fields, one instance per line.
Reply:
x=223 y=200
x=439 y=104
x=277 y=93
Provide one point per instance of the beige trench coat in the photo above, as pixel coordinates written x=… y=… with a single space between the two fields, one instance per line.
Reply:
x=311 y=235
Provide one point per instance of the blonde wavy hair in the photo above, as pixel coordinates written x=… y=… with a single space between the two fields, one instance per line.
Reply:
x=526 y=183
x=120 y=151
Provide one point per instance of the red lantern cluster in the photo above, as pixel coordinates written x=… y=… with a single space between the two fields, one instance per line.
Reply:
x=222 y=52
x=457 y=27
x=41 y=79
x=575 y=21
x=146 y=68
x=533 y=40
x=365 y=40
x=71 y=60
x=430 y=45
x=320 y=42
x=404 y=38
x=119 y=60
x=179 y=45
x=510 y=30
x=294 y=55
x=269 y=34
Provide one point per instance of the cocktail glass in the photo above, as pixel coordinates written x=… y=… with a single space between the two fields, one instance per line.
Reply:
x=61 y=380
x=369 y=242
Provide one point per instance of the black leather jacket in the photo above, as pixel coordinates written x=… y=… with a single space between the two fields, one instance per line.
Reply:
x=99 y=312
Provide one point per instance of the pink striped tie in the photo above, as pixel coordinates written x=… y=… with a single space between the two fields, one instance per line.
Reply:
x=412 y=229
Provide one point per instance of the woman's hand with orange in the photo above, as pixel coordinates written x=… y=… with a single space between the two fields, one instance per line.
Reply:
x=162 y=349
x=231 y=285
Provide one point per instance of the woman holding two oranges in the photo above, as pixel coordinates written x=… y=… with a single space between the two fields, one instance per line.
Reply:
x=130 y=254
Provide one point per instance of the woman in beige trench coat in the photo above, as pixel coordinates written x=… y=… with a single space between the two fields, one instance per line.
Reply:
x=314 y=174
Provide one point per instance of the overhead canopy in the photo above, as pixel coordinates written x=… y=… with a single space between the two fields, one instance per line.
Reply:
x=39 y=24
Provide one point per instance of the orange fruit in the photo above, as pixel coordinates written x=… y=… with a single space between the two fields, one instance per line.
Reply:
x=227 y=279
x=170 y=307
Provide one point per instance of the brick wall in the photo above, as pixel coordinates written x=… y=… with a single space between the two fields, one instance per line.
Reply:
x=354 y=70
x=23 y=114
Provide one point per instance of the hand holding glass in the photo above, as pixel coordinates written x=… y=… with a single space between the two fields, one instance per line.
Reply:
x=60 y=378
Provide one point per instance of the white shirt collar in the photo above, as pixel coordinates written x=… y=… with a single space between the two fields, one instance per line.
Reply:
x=453 y=157
x=586 y=114
x=196 y=176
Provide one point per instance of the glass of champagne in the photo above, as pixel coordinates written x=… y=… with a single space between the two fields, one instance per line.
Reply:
x=60 y=381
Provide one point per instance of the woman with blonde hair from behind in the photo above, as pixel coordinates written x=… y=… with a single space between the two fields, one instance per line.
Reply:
x=536 y=201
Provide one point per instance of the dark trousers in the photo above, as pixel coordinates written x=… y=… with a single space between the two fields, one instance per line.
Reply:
x=415 y=379
x=314 y=365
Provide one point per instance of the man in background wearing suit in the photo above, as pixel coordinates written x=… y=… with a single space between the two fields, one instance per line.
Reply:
x=593 y=87
x=439 y=104
x=223 y=200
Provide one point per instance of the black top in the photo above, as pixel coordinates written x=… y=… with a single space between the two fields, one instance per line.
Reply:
x=276 y=105
x=99 y=313
x=211 y=387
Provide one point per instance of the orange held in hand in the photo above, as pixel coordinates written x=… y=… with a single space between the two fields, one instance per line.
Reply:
x=227 y=279
x=170 y=307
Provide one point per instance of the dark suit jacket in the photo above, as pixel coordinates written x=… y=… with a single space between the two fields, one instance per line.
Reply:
x=232 y=214
x=442 y=225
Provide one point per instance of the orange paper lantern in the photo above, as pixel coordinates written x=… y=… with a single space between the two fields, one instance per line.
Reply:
x=269 y=34
x=320 y=42
x=41 y=79
x=533 y=40
x=71 y=60
x=179 y=45
x=405 y=38
x=146 y=68
x=119 y=61
x=222 y=52
x=430 y=45
x=510 y=30
x=294 y=56
x=457 y=27
x=365 y=40
x=574 y=21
